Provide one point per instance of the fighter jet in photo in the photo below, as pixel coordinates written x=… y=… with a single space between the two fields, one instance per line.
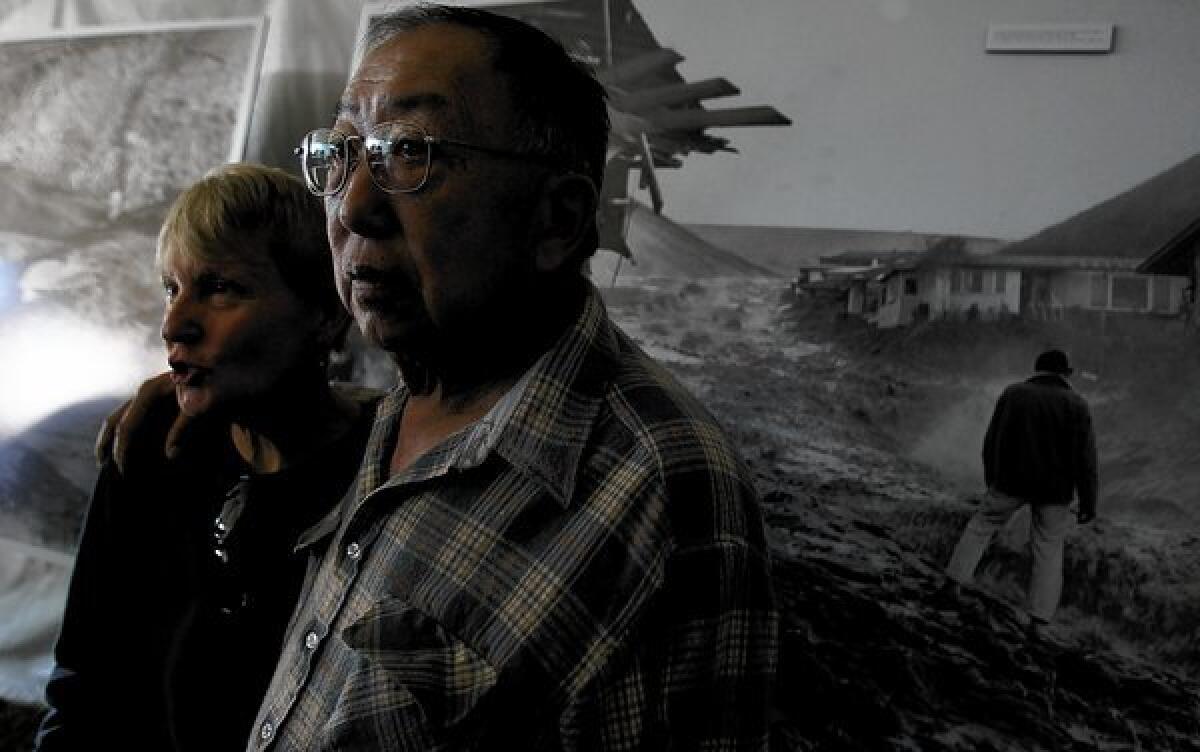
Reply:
x=657 y=116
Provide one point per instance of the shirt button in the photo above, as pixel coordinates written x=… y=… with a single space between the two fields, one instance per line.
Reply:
x=354 y=551
x=311 y=640
x=267 y=731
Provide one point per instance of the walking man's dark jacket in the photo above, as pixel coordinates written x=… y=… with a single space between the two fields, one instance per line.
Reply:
x=1040 y=445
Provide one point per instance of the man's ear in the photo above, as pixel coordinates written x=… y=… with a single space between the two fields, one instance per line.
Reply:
x=564 y=221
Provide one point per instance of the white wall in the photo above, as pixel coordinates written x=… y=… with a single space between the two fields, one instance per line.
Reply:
x=990 y=303
x=896 y=308
x=902 y=121
x=1164 y=294
x=935 y=290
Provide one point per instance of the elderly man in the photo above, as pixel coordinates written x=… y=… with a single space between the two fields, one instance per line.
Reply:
x=552 y=545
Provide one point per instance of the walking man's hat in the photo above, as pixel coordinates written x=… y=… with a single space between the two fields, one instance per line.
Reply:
x=1054 y=361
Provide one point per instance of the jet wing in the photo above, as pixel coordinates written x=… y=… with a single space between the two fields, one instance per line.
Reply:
x=647 y=95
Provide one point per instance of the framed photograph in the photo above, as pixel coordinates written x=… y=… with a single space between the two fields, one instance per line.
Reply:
x=102 y=128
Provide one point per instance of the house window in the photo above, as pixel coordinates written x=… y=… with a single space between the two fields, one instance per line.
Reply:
x=1162 y=294
x=975 y=281
x=1130 y=293
x=1098 y=296
x=1001 y=279
x=910 y=286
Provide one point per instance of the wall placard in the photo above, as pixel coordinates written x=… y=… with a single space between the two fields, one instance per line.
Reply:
x=1085 y=38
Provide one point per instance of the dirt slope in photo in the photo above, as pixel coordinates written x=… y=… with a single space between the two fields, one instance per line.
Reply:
x=866 y=445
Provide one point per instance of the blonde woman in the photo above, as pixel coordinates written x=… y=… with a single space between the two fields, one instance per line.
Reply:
x=189 y=568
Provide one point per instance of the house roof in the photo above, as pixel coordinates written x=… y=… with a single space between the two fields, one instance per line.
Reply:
x=933 y=260
x=789 y=249
x=1175 y=256
x=869 y=258
x=1009 y=261
x=893 y=269
x=1135 y=224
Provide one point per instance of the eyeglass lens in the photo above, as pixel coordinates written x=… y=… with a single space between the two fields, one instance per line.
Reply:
x=397 y=154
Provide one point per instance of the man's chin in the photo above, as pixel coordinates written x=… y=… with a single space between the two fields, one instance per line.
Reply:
x=392 y=335
x=193 y=402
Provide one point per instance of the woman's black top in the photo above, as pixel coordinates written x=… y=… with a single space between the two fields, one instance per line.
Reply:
x=184 y=582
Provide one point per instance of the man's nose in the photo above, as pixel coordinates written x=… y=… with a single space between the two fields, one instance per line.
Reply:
x=180 y=324
x=363 y=208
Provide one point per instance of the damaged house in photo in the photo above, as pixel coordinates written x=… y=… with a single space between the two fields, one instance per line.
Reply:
x=852 y=231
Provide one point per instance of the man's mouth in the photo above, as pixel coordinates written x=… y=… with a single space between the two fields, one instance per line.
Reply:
x=364 y=274
x=187 y=374
x=381 y=291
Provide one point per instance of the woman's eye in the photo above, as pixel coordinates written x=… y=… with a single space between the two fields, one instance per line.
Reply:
x=215 y=285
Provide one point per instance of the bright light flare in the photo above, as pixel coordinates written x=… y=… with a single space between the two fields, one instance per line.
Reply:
x=49 y=361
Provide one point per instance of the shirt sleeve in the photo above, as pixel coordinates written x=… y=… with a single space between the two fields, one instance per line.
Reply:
x=720 y=650
x=72 y=689
x=703 y=679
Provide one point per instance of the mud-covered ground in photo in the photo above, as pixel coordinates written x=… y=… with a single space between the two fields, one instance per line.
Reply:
x=867 y=447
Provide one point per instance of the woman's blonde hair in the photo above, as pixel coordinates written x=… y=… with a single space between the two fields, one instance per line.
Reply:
x=252 y=212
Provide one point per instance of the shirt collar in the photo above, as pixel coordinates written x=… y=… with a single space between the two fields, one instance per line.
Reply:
x=549 y=427
x=481 y=438
x=327 y=524
x=539 y=426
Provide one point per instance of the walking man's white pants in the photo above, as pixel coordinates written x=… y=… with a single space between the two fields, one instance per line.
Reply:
x=1047 y=529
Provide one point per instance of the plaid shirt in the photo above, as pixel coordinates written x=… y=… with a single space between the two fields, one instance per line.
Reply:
x=582 y=569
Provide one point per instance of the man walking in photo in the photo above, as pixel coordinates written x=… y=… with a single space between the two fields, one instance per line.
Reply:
x=1039 y=450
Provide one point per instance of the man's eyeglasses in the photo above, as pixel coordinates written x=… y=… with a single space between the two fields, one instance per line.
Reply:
x=398 y=157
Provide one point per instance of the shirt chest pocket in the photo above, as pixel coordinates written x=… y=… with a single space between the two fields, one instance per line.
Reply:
x=411 y=683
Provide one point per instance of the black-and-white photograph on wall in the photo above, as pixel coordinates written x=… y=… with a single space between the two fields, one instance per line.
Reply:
x=853 y=230
x=103 y=127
